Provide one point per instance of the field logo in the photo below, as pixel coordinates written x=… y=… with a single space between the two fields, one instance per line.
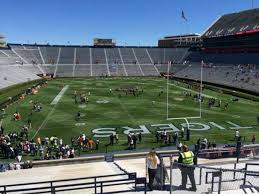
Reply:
x=106 y=132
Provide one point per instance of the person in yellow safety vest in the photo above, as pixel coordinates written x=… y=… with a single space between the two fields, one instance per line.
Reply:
x=187 y=158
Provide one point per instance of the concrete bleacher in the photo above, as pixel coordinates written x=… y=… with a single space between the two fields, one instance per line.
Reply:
x=83 y=55
x=142 y=56
x=67 y=55
x=156 y=54
x=226 y=58
x=117 y=70
x=113 y=56
x=64 y=71
x=82 y=70
x=228 y=75
x=149 y=70
x=8 y=57
x=98 y=56
x=133 y=70
x=127 y=55
x=30 y=55
x=50 y=54
x=49 y=69
x=99 y=70
x=11 y=75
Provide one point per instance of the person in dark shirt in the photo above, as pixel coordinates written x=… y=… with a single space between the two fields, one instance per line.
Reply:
x=140 y=137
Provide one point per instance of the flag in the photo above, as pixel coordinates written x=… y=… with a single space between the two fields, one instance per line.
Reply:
x=183 y=16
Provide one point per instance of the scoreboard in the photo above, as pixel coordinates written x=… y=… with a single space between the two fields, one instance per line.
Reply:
x=99 y=42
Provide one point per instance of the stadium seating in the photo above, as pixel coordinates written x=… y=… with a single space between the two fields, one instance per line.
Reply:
x=30 y=55
x=229 y=75
x=234 y=23
x=11 y=75
x=133 y=70
x=99 y=70
x=64 y=71
x=83 y=55
x=76 y=61
x=226 y=58
x=50 y=54
x=127 y=55
x=98 y=56
x=142 y=56
x=117 y=70
x=82 y=70
x=67 y=55
x=149 y=70
x=7 y=56
x=113 y=56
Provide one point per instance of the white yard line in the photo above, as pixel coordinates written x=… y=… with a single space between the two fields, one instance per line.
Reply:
x=186 y=89
x=60 y=95
x=54 y=102
x=45 y=121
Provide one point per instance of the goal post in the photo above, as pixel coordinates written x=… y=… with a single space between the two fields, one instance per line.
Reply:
x=200 y=94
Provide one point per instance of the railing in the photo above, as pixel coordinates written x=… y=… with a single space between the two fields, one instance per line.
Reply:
x=93 y=183
x=211 y=179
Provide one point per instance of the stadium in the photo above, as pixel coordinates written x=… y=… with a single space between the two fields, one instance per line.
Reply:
x=83 y=118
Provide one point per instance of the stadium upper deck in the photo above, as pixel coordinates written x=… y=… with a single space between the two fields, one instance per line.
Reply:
x=235 y=32
x=234 y=24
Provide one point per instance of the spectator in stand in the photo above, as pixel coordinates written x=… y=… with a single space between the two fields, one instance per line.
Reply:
x=152 y=163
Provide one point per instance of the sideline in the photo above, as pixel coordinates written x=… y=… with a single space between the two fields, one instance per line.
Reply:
x=189 y=90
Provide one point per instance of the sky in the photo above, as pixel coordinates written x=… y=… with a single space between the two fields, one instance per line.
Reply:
x=128 y=22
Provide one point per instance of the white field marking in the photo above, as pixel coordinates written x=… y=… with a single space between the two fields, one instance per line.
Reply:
x=102 y=101
x=208 y=96
x=79 y=124
x=82 y=106
x=60 y=95
x=52 y=110
x=178 y=99
x=45 y=121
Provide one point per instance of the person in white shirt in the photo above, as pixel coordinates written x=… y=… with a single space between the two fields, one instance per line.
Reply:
x=152 y=163
x=237 y=135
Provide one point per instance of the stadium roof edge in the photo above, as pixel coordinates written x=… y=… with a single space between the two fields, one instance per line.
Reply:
x=82 y=46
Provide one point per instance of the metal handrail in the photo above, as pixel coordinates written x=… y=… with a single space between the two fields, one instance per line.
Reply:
x=131 y=179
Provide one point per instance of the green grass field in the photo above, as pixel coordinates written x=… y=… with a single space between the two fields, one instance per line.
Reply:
x=130 y=111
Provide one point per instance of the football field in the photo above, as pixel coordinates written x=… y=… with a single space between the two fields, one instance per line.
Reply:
x=121 y=105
